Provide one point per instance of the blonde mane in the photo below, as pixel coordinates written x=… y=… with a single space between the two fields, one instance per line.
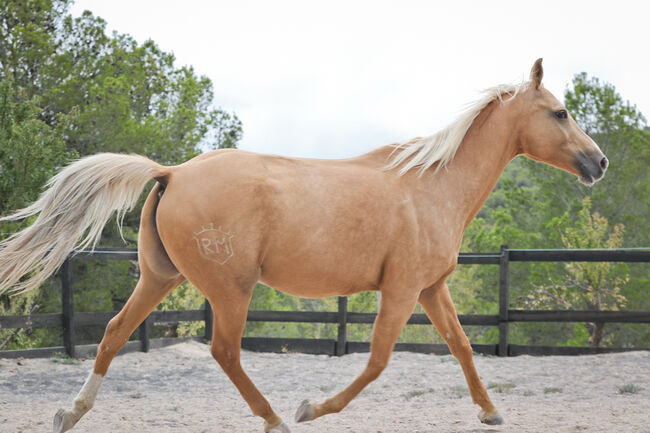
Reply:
x=441 y=147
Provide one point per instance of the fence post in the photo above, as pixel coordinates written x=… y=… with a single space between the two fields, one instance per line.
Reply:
x=144 y=328
x=67 y=308
x=208 y=321
x=342 y=340
x=504 y=286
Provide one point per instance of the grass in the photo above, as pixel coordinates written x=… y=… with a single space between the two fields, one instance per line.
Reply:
x=416 y=393
x=552 y=390
x=629 y=388
x=136 y=395
x=459 y=391
x=501 y=387
x=449 y=358
x=61 y=358
x=326 y=388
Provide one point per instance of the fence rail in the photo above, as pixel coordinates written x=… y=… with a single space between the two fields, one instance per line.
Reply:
x=68 y=319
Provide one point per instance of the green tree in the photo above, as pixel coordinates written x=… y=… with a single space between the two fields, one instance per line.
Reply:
x=130 y=97
x=584 y=285
x=29 y=31
x=30 y=149
x=185 y=297
x=69 y=90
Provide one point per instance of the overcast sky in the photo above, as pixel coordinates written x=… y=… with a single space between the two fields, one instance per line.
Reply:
x=337 y=78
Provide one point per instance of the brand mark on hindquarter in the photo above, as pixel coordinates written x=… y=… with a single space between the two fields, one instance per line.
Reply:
x=214 y=244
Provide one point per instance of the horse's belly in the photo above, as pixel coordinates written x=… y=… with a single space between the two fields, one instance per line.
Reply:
x=317 y=280
x=312 y=290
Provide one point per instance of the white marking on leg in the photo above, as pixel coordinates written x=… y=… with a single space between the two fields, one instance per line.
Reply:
x=86 y=397
x=64 y=420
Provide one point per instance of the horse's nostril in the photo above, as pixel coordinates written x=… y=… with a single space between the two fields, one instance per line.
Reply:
x=604 y=163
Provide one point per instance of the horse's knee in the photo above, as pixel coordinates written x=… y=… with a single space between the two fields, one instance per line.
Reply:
x=375 y=368
x=461 y=348
x=226 y=357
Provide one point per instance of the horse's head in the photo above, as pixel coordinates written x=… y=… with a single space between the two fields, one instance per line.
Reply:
x=548 y=133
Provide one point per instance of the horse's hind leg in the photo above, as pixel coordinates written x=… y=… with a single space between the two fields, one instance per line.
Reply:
x=395 y=310
x=230 y=309
x=150 y=290
x=440 y=309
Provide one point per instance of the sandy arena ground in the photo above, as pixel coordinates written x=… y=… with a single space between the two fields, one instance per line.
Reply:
x=181 y=389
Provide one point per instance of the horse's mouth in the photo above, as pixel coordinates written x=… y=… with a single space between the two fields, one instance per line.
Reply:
x=591 y=167
x=587 y=180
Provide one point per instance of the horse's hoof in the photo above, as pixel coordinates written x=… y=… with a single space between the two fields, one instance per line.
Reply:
x=494 y=419
x=305 y=412
x=280 y=428
x=58 y=422
x=62 y=422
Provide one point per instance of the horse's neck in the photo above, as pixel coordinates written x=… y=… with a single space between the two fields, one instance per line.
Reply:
x=464 y=185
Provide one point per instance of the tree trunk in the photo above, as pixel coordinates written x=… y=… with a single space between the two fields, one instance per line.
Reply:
x=172 y=330
x=596 y=334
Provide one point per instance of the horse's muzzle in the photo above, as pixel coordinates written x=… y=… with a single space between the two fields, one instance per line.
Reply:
x=591 y=166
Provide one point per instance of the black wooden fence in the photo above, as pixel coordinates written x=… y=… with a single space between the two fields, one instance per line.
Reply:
x=68 y=319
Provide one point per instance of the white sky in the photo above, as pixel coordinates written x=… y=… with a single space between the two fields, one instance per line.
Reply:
x=338 y=78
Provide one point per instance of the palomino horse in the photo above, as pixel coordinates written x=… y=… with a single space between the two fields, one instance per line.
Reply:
x=390 y=220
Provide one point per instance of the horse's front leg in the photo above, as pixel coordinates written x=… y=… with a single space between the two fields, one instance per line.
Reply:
x=441 y=311
x=394 y=312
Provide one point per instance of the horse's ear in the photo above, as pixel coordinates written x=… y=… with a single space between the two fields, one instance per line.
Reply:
x=537 y=73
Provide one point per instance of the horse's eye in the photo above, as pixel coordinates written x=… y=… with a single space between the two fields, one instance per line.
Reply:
x=562 y=114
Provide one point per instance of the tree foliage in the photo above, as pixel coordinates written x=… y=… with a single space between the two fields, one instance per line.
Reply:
x=583 y=285
x=31 y=149
x=67 y=90
x=130 y=97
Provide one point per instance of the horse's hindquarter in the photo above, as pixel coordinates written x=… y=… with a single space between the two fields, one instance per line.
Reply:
x=307 y=227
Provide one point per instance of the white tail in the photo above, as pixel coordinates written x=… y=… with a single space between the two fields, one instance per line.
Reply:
x=72 y=213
